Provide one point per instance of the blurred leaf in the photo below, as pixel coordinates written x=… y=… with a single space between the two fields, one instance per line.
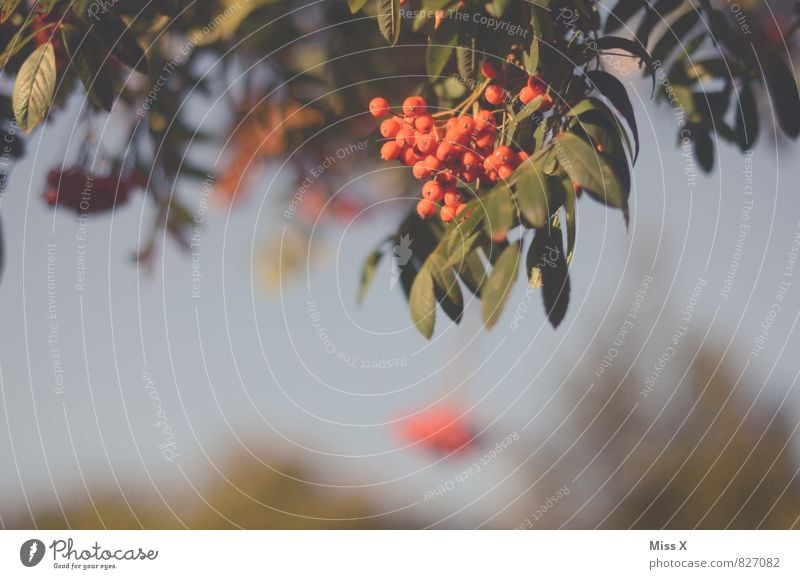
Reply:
x=498 y=286
x=7 y=9
x=500 y=212
x=116 y=38
x=675 y=34
x=87 y=60
x=34 y=87
x=467 y=58
x=437 y=54
x=653 y=15
x=783 y=90
x=368 y=272
x=356 y=5
x=422 y=302
x=622 y=12
x=389 y=20
x=635 y=48
x=746 y=118
x=703 y=149
x=472 y=272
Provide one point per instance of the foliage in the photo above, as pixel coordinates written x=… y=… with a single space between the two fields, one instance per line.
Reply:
x=297 y=79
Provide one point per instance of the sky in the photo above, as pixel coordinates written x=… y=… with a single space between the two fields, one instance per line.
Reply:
x=132 y=378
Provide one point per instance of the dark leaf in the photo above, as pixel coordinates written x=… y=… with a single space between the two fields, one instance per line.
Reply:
x=746 y=118
x=548 y=266
x=498 y=286
x=422 y=302
x=623 y=11
x=615 y=92
x=389 y=20
x=446 y=288
x=783 y=90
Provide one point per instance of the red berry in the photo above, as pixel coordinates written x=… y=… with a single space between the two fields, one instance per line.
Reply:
x=484 y=119
x=461 y=208
x=494 y=94
x=453 y=198
x=537 y=85
x=409 y=157
x=432 y=163
x=547 y=103
x=522 y=156
x=488 y=70
x=425 y=143
x=491 y=163
x=433 y=191
x=414 y=105
x=426 y=208
x=378 y=107
x=420 y=171
x=424 y=123
x=447 y=214
x=485 y=141
x=389 y=128
x=444 y=151
x=466 y=124
x=470 y=160
x=405 y=136
x=527 y=94
x=504 y=154
x=504 y=172
x=390 y=151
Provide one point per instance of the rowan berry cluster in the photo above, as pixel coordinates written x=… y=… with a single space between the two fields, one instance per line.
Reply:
x=459 y=149
x=78 y=190
x=534 y=87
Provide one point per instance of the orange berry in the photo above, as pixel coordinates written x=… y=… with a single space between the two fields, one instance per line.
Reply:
x=547 y=103
x=446 y=178
x=466 y=124
x=379 y=107
x=461 y=208
x=485 y=141
x=390 y=151
x=409 y=157
x=425 y=143
x=470 y=159
x=444 y=151
x=494 y=94
x=469 y=176
x=389 y=128
x=432 y=163
x=488 y=70
x=447 y=214
x=426 y=208
x=491 y=163
x=414 y=105
x=453 y=198
x=522 y=156
x=504 y=172
x=527 y=94
x=504 y=154
x=405 y=136
x=433 y=191
x=484 y=119
x=424 y=123
x=420 y=171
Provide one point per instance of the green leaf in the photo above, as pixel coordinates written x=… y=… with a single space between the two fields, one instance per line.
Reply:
x=368 y=272
x=467 y=59
x=500 y=212
x=34 y=87
x=592 y=171
x=636 y=48
x=611 y=88
x=782 y=87
x=703 y=149
x=356 y=5
x=473 y=272
x=422 y=302
x=446 y=288
x=498 y=286
x=548 y=267
x=437 y=55
x=532 y=194
x=389 y=20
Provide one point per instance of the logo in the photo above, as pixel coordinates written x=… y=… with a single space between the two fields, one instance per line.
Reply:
x=31 y=552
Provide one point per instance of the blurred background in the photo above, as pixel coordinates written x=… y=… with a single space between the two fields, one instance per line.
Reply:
x=237 y=382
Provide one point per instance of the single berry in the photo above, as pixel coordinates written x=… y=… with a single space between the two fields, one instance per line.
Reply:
x=389 y=128
x=424 y=123
x=409 y=157
x=484 y=119
x=504 y=154
x=504 y=172
x=420 y=171
x=485 y=141
x=466 y=124
x=414 y=105
x=433 y=191
x=494 y=94
x=527 y=94
x=425 y=143
x=461 y=208
x=379 y=107
x=426 y=208
x=453 y=198
x=405 y=136
x=447 y=214
x=488 y=70
x=390 y=151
